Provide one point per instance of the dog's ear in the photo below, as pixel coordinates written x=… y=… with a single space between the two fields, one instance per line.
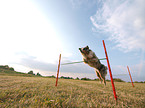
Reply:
x=87 y=47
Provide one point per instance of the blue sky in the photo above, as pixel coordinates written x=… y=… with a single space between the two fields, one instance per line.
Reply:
x=34 y=32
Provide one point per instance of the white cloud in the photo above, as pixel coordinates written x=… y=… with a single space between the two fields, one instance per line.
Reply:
x=124 y=21
x=24 y=29
x=28 y=63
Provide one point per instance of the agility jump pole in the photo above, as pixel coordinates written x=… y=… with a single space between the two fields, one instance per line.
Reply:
x=58 y=70
x=130 y=76
x=113 y=87
x=80 y=62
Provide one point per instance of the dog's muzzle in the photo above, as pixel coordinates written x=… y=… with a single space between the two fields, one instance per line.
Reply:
x=80 y=50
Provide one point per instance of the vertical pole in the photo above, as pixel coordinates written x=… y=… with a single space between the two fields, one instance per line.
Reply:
x=113 y=87
x=58 y=70
x=130 y=76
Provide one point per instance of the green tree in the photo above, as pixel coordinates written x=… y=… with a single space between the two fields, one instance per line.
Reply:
x=85 y=78
x=118 y=80
x=77 y=78
x=31 y=72
x=53 y=76
x=38 y=74
x=12 y=69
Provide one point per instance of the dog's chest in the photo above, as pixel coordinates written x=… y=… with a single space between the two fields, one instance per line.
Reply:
x=92 y=60
x=90 y=55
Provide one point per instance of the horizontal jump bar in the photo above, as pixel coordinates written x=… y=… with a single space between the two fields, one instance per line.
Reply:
x=79 y=62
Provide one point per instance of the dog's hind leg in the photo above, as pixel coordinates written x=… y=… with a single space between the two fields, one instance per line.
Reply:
x=98 y=74
x=103 y=78
x=103 y=73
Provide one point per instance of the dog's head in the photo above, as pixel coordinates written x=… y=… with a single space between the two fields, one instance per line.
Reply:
x=85 y=50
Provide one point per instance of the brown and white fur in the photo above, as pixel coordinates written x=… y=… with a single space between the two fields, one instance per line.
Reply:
x=92 y=60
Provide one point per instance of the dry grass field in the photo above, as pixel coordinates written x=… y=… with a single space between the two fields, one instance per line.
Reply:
x=37 y=92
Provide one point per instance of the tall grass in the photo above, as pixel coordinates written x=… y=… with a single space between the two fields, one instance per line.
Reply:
x=18 y=91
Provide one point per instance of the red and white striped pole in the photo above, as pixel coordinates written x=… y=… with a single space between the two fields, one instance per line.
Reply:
x=58 y=70
x=113 y=87
x=130 y=76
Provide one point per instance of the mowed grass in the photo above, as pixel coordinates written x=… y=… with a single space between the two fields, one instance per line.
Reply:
x=19 y=92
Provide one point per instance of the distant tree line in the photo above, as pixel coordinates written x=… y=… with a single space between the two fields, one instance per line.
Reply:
x=32 y=73
x=66 y=77
x=6 y=67
x=138 y=82
x=118 y=80
x=88 y=79
x=51 y=76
